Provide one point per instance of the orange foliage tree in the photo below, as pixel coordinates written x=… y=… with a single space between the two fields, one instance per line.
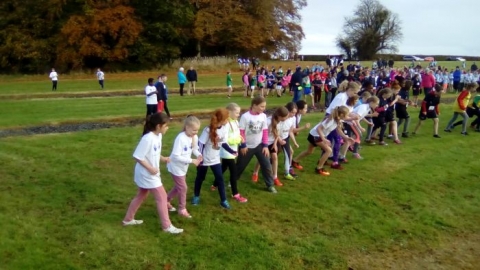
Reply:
x=101 y=34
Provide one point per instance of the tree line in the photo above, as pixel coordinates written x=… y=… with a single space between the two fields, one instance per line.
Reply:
x=36 y=35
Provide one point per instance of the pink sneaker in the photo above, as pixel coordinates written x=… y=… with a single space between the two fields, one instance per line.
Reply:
x=239 y=198
x=184 y=213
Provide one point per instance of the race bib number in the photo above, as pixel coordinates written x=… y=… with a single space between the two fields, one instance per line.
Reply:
x=431 y=108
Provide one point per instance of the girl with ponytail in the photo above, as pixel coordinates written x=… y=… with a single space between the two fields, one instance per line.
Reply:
x=212 y=139
x=147 y=172
x=318 y=137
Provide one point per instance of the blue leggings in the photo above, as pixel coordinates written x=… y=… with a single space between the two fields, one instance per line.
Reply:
x=219 y=182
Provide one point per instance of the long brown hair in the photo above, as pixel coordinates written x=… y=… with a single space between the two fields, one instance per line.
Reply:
x=153 y=121
x=218 y=117
x=280 y=112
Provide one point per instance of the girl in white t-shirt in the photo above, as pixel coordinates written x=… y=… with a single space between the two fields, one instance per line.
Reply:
x=234 y=139
x=302 y=109
x=366 y=109
x=185 y=144
x=318 y=136
x=147 y=172
x=254 y=130
x=212 y=139
x=276 y=123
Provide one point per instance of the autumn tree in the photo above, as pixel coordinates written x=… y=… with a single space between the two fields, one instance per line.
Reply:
x=28 y=34
x=102 y=33
x=372 y=29
x=246 y=26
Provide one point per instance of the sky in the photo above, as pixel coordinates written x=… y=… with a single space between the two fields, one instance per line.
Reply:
x=429 y=27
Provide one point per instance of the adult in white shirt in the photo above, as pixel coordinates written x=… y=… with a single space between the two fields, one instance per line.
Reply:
x=54 y=77
x=151 y=94
x=100 y=77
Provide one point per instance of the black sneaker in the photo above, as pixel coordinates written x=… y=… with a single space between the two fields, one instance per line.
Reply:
x=436 y=136
x=405 y=135
x=464 y=133
x=447 y=130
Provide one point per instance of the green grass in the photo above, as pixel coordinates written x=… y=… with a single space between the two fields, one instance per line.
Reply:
x=55 y=111
x=136 y=81
x=63 y=196
x=62 y=208
x=30 y=84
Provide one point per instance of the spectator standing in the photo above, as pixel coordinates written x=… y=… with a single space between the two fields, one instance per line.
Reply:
x=181 y=80
x=163 y=93
x=192 y=80
x=296 y=84
x=54 y=77
x=151 y=94
x=100 y=77
x=428 y=81
x=457 y=76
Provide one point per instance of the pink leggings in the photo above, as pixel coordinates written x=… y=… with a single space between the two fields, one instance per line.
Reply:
x=180 y=190
x=160 y=199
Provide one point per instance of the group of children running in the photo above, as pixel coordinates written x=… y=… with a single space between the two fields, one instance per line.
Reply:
x=230 y=141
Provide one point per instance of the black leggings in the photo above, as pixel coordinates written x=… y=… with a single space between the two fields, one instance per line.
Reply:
x=229 y=164
x=151 y=109
x=54 y=85
x=317 y=95
x=217 y=173
x=181 y=89
x=379 y=123
x=165 y=108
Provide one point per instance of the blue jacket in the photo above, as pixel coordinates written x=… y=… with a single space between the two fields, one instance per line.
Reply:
x=162 y=91
x=181 y=77
x=457 y=74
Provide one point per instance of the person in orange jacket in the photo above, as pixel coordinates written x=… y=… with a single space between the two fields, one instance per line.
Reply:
x=460 y=107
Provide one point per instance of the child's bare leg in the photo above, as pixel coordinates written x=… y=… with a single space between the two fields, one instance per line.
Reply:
x=305 y=153
x=327 y=151
x=435 y=126
x=256 y=168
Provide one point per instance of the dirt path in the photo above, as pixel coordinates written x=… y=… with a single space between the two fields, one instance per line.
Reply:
x=459 y=252
x=138 y=92
x=86 y=126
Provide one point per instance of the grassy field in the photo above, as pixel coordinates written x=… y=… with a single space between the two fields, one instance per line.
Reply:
x=63 y=196
x=80 y=82
x=62 y=208
x=56 y=111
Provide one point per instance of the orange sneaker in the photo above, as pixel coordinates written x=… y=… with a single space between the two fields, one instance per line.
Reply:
x=277 y=182
x=322 y=172
x=254 y=178
x=297 y=165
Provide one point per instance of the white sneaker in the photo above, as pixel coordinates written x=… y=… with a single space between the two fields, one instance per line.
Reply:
x=173 y=230
x=132 y=222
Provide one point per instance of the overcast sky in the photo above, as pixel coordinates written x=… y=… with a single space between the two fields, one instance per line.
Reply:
x=436 y=27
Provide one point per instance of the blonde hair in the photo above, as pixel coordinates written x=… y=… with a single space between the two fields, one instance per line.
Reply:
x=338 y=112
x=191 y=120
x=366 y=94
x=232 y=107
x=373 y=99
x=346 y=85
